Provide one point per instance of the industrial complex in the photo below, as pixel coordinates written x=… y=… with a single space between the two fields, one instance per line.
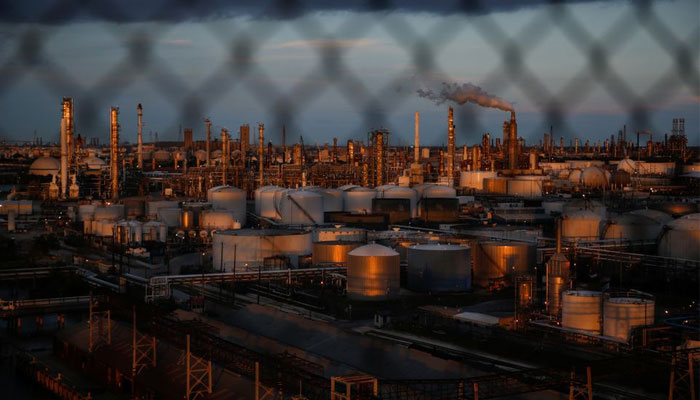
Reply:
x=226 y=266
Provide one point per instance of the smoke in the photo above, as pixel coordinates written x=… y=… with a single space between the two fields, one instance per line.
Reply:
x=465 y=93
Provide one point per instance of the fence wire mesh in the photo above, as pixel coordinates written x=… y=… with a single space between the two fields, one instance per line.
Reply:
x=28 y=53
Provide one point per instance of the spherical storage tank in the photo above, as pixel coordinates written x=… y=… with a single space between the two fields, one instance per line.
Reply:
x=622 y=314
x=358 y=199
x=574 y=176
x=299 y=207
x=582 y=226
x=495 y=260
x=230 y=199
x=630 y=226
x=681 y=237
x=45 y=166
x=582 y=310
x=595 y=177
x=250 y=247
x=439 y=268
x=373 y=273
x=332 y=252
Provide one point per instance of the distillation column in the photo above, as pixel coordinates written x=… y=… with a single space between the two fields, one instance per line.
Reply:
x=207 y=123
x=261 y=129
x=416 y=140
x=68 y=116
x=64 y=158
x=513 y=143
x=139 y=112
x=450 y=145
x=224 y=151
x=114 y=150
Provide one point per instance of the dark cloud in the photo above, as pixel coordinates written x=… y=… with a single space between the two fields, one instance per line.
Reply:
x=63 y=11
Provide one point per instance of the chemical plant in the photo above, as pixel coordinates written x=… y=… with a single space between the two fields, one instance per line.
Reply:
x=226 y=266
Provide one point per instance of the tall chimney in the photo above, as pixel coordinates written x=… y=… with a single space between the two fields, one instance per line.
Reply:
x=114 y=150
x=559 y=223
x=224 y=151
x=261 y=130
x=450 y=144
x=139 y=112
x=207 y=124
x=513 y=143
x=416 y=140
x=64 y=158
x=379 y=151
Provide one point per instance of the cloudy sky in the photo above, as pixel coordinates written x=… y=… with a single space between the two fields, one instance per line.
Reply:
x=325 y=69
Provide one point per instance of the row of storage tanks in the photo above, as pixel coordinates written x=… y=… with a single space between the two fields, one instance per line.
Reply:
x=307 y=205
x=613 y=316
x=373 y=269
x=589 y=220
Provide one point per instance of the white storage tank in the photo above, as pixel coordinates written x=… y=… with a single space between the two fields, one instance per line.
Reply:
x=530 y=186
x=622 y=314
x=155 y=231
x=103 y=228
x=339 y=233
x=439 y=192
x=373 y=273
x=630 y=226
x=681 y=237
x=217 y=220
x=582 y=225
x=574 y=176
x=252 y=246
x=474 y=179
x=299 y=207
x=358 y=200
x=400 y=192
x=265 y=201
x=595 y=177
x=584 y=204
x=112 y=212
x=439 y=268
x=496 y=185
x=170 y=216
x=658 y=216
x=332 y=198
x=230 y=199
x=128 y=232
x=582 y=311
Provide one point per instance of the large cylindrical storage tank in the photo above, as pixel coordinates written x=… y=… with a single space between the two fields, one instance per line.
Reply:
x=677 y=209
x=498 y=260
x=582 y=310
x=332 y=252
x=526 y=186
x=112 y=212
x=373 y=273
x=358 y=200
x=299 y=207
x=217 y=220
x=496 y=185
x=584 y=204
x=475 y=179
x=439 y=268
x=439 y=192
x=230 y=199
x=681 y=237
x=332 y=198
x=400 y=192
x=339 y=233
x=170 y=216
x=582 y=226
x=621 y=314
x=252 y=246
x=267 y=192
x=155 y=231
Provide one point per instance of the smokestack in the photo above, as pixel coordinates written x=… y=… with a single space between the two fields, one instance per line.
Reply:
x=416 y=140
x=559 y=223
x=114 y=150
x=351 y=152
x=512 y=143
x=450 y=144
x=224 y=153
x=575 y=145
x=68 y=116
x=207 y=124
x=139 y=113
x=379 y=151
x=261 y=129
x=64 y=158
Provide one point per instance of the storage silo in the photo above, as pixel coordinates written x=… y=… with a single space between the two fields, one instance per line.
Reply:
x=217 y=220
x=582 y=310
x=499 y=260
x=496 y=185
x=373 y=273
x=680 y=238
x=582 y=225
x=250 y=247
x=630 y=226
x=155 y=231
x=230 y=199
x=530 y=186
x=299 y=207
x=358 y=200
x=400 y=192
x=332 y=198
x=332 y=252
x=475 y=179
x=622 y=314
x=439 y=268
x=264 y=201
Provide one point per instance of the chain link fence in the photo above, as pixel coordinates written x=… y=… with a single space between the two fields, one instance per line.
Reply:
x=137 y=28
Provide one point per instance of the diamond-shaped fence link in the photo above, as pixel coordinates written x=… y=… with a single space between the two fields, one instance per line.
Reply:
x=189 y=103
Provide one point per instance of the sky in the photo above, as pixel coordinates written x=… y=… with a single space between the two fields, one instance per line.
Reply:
x=332 y=70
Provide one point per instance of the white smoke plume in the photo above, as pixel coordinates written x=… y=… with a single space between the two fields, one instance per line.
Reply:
x=465 y=93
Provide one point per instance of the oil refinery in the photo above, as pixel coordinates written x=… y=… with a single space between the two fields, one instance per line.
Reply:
x=227 y=266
